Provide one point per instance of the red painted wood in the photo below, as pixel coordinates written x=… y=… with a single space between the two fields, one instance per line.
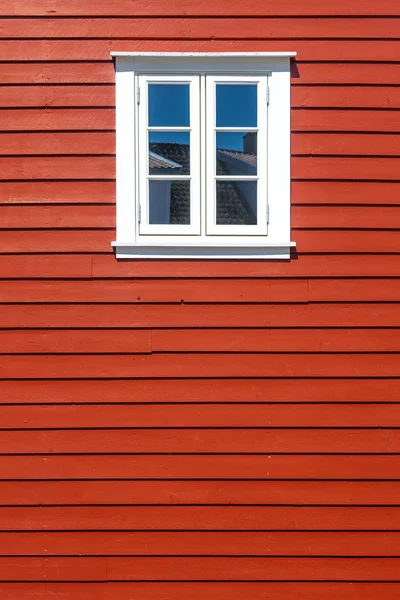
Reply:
x=159 y=291
x=252 y=27
x=75 y=240
x=53 y=569
x=201 y=466
x=50 y=49
x=345 y=144
x=56 y=119
x=274 y=8
x=199 y=390
x=345 y=192
x=211 y=440
x=201 y=591
x=345 y=121
x=47 y=96
x=183 y=316
x=336 y=96
x=351 y=241
x=57 y=143
x=44 y=73
x=199 y=415
x=251 y=569
x=200 y=518
x=255 y=340
x=204 y=543
x=57 y=192
x=283 y=493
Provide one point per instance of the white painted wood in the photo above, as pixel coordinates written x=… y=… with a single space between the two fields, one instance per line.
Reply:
x=125 y=148
x=238 y=252
x=211 y=202
x=273 y=243
x=142 y=160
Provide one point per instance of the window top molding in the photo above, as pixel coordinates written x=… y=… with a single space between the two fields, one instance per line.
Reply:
x=206 y=54
x=203 y=61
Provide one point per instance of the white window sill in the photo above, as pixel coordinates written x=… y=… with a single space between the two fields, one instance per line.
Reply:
x=266 y=251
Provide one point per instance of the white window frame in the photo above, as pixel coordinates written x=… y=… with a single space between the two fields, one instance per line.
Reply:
x=202 y=238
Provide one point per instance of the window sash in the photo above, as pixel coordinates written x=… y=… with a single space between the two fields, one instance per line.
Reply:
x=142 y=153
x=212 y=228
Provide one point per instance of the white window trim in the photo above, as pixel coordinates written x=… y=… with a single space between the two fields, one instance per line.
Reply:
x=277 y=243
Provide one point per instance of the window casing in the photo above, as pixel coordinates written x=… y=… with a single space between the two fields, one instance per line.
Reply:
x=203 y=155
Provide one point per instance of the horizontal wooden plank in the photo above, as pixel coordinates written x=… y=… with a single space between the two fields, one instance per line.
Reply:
x=358 y=50
x=201 y=543
x=199 y=365
x=98 y=240
x=167 y=290
x=98 y=341
x=56 y=569
x=45 y=341
x=235 y=340
x=95 y=143
x=218 y=291
x=283 y=493
x=242 y=569
x=190 y=315
x=345 y=192
x=71 y=266
x=57 y=192
x=41 y=119
x=63 y=72
x=195 y=569
x=305 y=266
x=323 y=290
x=58 y=96
x=274 y=8
x=201 y=590
x=345 y=121
x=199 y=390
x=361 y=144
x=61 y=96
x=199 y=415
x=86 y=216
x=252 y=27
x=216 y=440
x=59 y=143
x=201 y=466
x=337 y=96
x=91 y=216
x=200 y=518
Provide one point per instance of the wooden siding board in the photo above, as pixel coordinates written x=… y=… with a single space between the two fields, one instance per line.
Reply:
x=273 y=8
x=121 y=391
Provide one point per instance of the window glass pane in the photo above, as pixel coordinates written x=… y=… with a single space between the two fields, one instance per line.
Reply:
x=169 y=153
x=236 y=105
x=236 y=202
x=169 y=105
x=236 y=153
x=169 y=202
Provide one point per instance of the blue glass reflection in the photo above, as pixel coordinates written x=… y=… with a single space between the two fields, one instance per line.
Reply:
x=236 y=202
x=237 y=153
x=169 y=153
x=169 y=105
x=169 y=202
x=236 y=105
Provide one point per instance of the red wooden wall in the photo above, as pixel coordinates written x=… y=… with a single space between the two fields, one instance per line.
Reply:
x=199 y=430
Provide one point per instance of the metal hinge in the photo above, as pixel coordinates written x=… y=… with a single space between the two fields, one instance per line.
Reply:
x=138 y=94
x=139 y=213
x=268 y=94
x=267 y=214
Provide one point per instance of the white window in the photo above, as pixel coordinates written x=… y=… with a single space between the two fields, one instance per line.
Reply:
x=203 y=155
